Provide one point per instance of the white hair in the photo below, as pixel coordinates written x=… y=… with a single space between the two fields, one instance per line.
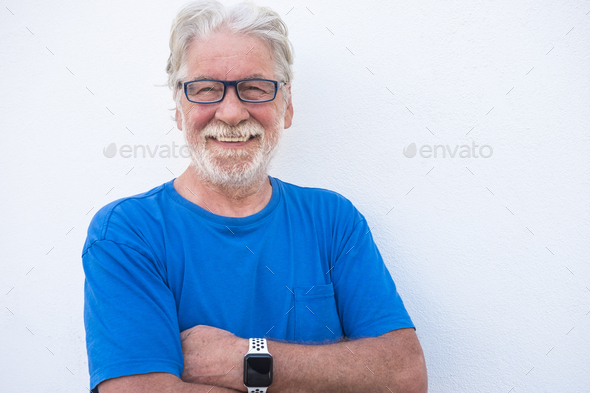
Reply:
x=200 y=19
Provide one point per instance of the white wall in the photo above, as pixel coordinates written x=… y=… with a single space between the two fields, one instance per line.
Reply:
x=490 y=254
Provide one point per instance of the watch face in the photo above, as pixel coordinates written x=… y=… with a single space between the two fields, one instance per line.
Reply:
x=258 y=370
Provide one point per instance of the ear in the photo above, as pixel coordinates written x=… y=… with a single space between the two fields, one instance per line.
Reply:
x=289 y=109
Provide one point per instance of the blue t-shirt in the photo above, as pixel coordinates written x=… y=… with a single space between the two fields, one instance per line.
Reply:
x=304 y=269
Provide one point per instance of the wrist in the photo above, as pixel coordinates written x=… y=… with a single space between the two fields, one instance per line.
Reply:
x=237 y=372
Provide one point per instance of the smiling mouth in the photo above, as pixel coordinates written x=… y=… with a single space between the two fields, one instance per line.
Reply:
x=233 y=140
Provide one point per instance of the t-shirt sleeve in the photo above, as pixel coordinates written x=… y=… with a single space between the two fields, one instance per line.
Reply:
x=366 y=296
x=129 y=314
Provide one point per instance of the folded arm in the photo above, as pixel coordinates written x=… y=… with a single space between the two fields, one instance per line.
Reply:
x=391 y=362
x=155 y=383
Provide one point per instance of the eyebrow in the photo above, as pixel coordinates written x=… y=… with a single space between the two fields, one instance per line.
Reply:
x=251 y=76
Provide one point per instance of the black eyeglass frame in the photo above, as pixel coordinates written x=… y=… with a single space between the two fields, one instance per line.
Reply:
x=277 y=84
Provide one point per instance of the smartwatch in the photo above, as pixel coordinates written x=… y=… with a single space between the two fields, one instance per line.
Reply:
x=257 y=366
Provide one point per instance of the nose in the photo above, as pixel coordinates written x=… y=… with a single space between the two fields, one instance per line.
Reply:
x=231 y=110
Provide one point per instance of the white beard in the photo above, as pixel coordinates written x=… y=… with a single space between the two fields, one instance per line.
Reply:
x=235 y=169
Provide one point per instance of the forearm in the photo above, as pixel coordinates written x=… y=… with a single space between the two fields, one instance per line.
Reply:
x=156 y=383
x=186 y=387
x=381 y=364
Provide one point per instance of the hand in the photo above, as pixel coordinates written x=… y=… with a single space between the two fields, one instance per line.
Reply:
x=213 y=356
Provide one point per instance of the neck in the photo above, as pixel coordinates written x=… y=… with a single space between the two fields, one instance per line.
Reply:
x=223 y=200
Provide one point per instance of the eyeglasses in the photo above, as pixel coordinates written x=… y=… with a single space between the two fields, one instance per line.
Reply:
x=208 y=91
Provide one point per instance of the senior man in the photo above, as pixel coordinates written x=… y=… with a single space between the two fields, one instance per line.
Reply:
x=226 y=278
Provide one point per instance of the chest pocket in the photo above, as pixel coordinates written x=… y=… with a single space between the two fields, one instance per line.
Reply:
x=316 y=315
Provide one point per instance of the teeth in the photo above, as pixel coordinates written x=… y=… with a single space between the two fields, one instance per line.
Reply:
x=222 y=139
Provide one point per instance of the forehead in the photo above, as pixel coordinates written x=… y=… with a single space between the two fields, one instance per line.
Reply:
x=227 y=56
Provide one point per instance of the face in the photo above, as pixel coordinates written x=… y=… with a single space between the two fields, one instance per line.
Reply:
x=207 y=127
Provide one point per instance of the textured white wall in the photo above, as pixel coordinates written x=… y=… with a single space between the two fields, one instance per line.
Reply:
x=490 y=254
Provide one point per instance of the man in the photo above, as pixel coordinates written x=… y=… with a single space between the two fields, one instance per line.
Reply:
x=226 y=278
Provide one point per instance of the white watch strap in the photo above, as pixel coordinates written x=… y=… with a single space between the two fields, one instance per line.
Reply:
x=257 y=345
x=257 y=390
